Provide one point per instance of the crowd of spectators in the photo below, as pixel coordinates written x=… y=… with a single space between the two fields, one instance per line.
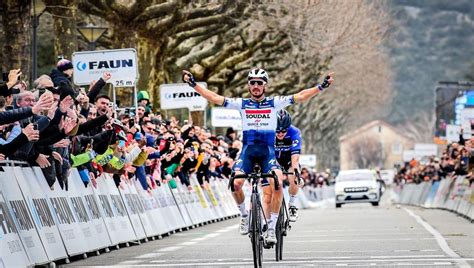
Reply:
x=56 y=125
x=457 y=159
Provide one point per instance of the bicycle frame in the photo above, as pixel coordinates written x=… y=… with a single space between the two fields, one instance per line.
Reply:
x=255 y=231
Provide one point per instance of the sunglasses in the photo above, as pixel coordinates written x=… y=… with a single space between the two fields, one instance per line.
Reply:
x=281 y=131
x=256 y=82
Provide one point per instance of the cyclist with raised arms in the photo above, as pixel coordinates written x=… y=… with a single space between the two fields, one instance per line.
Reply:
x=259 y=116
x=287 y=152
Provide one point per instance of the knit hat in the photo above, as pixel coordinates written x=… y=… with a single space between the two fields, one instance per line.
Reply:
x=64 y=65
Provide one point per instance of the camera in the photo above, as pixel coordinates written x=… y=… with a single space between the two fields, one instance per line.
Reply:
x=131 y=122
x=35 y=126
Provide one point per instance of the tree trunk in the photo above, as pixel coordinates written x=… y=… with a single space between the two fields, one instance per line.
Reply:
x=16 y=22
x=64 y=14
x=198 y=118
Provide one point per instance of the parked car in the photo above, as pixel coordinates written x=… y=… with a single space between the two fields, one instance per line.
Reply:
x=356 y=186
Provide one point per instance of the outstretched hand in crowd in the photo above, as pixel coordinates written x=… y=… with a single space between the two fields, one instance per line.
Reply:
x=44 y=103
x=30 y=133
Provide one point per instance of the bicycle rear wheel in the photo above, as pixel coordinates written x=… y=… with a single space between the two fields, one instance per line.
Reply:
x=257 y=244
x=280 y=228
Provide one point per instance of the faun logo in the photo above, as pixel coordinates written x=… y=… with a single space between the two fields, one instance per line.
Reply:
x=104 y=64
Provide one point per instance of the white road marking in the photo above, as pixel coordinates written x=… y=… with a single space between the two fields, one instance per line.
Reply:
x=358 y=240
x=189 y=243
x=406 y=256
x=358 y=234
x=199 y=239
x=381 y=262
x=169 y=249
x=131 y=262
x=289 y=252
x=148 y=255
x=439 y=239
x=212 y=235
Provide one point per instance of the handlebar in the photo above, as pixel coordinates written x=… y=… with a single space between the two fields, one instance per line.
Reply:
x=257 y=175
x=296 y=173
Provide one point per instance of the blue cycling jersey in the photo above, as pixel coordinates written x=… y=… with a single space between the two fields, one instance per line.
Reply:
x=289 y=145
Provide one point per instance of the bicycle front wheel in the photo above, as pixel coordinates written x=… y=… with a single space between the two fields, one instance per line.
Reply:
x=280 y=228
x=257 y=244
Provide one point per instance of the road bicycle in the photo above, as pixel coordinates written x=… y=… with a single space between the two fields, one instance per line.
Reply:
x=255 y=230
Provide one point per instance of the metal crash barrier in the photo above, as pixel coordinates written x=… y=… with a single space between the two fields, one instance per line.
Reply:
x=451 y=193
x=40 y=225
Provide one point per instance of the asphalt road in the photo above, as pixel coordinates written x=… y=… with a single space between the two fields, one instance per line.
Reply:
x=354 y=235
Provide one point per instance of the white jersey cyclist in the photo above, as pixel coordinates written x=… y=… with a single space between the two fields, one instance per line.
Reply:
x=258 y=124
x=259 y=115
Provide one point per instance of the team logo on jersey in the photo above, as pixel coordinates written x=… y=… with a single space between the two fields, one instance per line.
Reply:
x=257 y=114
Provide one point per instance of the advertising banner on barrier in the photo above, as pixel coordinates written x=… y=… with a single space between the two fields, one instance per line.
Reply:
x=173 y=207
x=153 y=211
x=165 y=208
x=431 y=195
x=92 y=224
x=146 y=220
x=205 y=207
x=69 y=226
x=188 y=201
x=42 y=213
x=133 y=209
x=220 y=200
x=12 y=253
x=121 y=63
x=178 y=198
x=22 y=217
x=115 y=215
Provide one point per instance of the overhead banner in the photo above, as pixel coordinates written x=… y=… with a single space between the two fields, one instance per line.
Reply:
x=221 y=117
x=121 y=63
x=177 y=96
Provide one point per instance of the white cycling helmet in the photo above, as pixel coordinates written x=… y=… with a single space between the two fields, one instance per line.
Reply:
x=258 y=73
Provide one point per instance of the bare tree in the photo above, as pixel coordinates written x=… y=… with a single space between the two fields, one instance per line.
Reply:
x=64 y=14
x=16 y=21
x=366 y=152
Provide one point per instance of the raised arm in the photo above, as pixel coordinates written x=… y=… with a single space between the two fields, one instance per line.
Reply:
x=205 y=93
x=307 y=94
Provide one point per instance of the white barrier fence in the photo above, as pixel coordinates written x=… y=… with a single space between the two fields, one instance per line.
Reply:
x=39 y=225
x=452 y=193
